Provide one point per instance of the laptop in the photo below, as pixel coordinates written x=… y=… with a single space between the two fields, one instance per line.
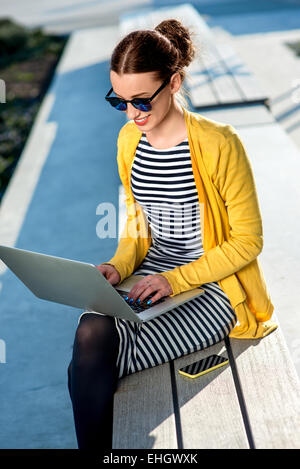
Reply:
x=82 y=285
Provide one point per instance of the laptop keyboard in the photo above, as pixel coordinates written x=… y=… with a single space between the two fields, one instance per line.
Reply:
x=139 y=307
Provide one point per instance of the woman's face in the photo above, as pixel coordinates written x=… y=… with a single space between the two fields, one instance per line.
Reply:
x=144 y=85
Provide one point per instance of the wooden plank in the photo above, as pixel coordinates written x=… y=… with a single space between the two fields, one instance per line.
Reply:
x=240 y=116
x=207 y=64
x=245 y=79
x=209 y=83
x=221 y=80
x=208 y=57
x=143 y=411
x=200 y=89
x=228 y=73
x=271 y=390
x=209 y=409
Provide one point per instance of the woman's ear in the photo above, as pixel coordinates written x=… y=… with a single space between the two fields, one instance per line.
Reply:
x=175 y=82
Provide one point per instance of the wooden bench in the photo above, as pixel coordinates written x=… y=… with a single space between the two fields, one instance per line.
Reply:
x=253 y=402
x=217 y=76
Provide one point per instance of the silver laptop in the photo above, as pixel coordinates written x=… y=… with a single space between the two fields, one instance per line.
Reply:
x=82 y=285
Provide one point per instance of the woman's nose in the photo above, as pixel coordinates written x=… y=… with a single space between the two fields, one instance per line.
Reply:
x=131 y=111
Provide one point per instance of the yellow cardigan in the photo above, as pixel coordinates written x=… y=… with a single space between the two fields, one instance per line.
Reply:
x=231 y=224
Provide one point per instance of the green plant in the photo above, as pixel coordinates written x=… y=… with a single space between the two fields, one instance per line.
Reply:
x=27 y=62
x=12 y=36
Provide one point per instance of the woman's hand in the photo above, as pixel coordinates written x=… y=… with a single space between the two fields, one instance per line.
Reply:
x=110 y=272
x=147 y=286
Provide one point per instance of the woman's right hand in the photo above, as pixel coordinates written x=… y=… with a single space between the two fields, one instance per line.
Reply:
x=110 y=272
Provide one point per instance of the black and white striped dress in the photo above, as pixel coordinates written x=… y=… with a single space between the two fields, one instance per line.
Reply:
x=162 y=182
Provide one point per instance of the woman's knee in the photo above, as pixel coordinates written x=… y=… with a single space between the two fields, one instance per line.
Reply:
x=94 y=333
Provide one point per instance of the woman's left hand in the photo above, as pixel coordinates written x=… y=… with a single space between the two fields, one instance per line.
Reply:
x=148 y=285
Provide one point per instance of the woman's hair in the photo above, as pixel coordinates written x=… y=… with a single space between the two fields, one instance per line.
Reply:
x=166 y=49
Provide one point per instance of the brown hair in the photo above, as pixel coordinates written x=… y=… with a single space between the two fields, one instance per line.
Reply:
x=167 y=49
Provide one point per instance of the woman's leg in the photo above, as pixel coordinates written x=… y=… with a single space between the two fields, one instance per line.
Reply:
x=92 y=380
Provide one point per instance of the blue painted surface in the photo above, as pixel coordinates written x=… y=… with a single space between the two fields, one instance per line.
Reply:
x=79 y=174
x=245 y=16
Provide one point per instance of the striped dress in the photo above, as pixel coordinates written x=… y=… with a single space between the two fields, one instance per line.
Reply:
x=162 y=182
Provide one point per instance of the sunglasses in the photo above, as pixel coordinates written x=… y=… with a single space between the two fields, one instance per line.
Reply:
x=142 y=104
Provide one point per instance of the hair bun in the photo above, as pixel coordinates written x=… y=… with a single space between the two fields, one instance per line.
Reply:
x=180 y=37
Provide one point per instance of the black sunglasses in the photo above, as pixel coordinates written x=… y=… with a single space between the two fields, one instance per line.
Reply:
x=142 y=104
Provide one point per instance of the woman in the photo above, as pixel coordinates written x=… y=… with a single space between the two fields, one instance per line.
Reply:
x=192 y=219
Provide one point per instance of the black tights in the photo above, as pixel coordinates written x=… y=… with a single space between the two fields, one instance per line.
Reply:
x=92 y=380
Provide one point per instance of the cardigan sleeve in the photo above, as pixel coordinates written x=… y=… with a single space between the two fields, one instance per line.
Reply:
x=131 y=248
x=124 y=257
x=234 y=180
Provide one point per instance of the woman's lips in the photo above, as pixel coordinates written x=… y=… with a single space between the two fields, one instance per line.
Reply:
x=143 y=122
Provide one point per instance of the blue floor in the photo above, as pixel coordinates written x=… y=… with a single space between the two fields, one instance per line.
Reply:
x=79 y=174
x=245 y=16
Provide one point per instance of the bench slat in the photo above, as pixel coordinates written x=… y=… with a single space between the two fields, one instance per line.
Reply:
x=229 y=74
x=208 y=57
x=271 y=390
x=143 y=411
x=241 y=116
x=241 y=74
x=199 y=85
x=209 y=404
x=221 y=81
